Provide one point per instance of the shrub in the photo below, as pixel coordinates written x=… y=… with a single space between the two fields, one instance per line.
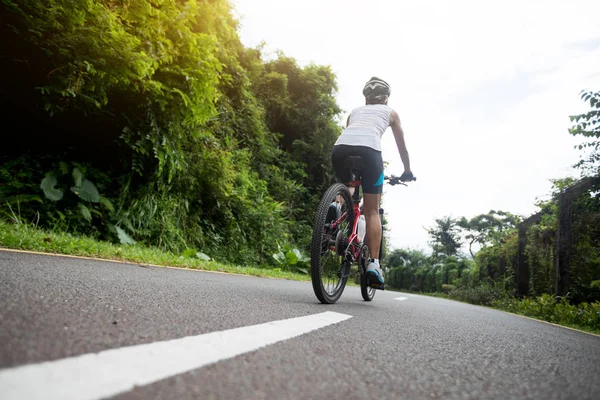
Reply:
x=547 y=308
x=448 y=288
x=484 y=295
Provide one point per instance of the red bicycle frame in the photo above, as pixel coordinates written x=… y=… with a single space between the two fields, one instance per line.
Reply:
x=353 y=241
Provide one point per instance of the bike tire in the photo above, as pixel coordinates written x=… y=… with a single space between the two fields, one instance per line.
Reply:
x=329 y=292
x=366 y=291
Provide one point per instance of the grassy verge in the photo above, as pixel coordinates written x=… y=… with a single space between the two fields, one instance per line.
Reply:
x=584 y=316
x=27 y=237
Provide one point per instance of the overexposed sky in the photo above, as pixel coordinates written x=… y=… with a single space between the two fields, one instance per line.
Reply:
x=484 y=90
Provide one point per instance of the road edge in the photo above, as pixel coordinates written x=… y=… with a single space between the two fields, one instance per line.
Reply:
x=50 y=254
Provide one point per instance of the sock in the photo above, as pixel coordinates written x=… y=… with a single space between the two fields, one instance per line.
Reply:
x=375 y=261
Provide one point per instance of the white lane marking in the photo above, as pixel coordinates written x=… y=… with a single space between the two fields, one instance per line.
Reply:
x=110 y=372
x=401 y=298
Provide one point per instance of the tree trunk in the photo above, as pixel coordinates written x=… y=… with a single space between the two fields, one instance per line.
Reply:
x=471 y=250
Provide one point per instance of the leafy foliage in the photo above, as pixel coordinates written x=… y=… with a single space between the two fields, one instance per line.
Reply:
x=180 y=137
x=48 y=185
x=22 y=235
x=445 y=237
x=485 y=229
x=545 y=307
x=587 y=125
x=292 y=258
x=484 y=294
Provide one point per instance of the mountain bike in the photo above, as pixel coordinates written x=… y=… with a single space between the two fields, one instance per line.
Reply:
x=338 y=240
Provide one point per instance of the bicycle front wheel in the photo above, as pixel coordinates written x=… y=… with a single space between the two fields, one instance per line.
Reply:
x=329 y=269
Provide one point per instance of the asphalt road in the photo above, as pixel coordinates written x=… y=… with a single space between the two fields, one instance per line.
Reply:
x=417 y=347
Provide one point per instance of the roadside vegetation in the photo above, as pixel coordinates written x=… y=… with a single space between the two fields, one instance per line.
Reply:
x=146 y=131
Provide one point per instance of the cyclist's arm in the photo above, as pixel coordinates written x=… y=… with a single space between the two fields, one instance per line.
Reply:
x=399 y=136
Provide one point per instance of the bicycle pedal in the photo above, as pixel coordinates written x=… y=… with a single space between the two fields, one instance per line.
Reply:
x=378 y=286
x=375 y=284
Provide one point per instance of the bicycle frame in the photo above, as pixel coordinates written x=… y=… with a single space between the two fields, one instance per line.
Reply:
x=337 y=245
x=354 y=244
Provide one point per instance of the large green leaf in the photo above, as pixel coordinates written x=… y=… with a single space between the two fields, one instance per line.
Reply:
x=87 y=192
x=85 y=212
x=48 y=186
x=106 y=203
x=203 y=256
x=77 y=177
x=124 y=238
x=302 y=257
x=279 y=257
x=189 y=253
x=63 y=167
x=292 y=256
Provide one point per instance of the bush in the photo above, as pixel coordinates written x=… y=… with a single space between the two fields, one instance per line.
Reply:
x=176 y=135
x=484 y=295
x=547 y=308
x=448 y=288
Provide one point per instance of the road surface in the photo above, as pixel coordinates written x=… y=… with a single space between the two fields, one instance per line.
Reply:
x=85 y=329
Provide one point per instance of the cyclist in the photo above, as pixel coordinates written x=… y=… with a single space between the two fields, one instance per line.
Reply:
x=362 y=137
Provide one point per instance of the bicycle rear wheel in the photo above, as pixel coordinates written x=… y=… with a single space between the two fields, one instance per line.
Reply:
x=329 y=269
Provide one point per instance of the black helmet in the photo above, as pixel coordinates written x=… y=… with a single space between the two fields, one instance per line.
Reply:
x=377 y=89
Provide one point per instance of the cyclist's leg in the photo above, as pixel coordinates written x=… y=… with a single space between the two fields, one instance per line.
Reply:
x=372 y=185
x=371 y=213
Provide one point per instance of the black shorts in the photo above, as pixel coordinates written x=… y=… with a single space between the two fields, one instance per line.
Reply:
x=372 y=176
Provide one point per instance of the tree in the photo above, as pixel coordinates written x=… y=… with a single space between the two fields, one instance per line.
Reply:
x=588 y=126
x=196 y=140
x=300 y=107
x=445 y=237
x=408 y=269
x=487 y=228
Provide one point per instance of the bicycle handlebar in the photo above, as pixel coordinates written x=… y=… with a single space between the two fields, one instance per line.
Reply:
x=395 y=180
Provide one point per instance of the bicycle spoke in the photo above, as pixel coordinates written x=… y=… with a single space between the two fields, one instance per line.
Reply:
x=333 y=268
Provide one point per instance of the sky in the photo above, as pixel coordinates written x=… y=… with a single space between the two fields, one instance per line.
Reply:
x=484 y=91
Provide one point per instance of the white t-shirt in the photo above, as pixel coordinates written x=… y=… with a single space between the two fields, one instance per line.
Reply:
x=366 y=126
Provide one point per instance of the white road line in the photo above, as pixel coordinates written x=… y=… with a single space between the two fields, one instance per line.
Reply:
x=401 y=298
x=110 y=372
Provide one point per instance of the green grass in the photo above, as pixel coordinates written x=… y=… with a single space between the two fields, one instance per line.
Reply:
x=584 y=316
x=27 y=237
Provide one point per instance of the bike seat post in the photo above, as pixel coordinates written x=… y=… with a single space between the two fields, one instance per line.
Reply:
x=356 y=195
x=356 y=166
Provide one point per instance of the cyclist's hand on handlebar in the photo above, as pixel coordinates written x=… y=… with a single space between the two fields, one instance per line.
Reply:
x=407 y=176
